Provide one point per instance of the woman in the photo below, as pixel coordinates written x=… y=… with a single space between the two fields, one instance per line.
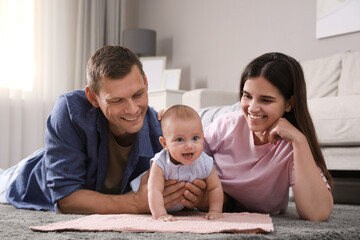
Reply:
x=271 y=144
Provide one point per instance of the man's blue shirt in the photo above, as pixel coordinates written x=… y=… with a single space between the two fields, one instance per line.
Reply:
x=76 y=155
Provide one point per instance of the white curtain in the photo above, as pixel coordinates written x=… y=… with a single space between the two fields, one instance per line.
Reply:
x=65 y=34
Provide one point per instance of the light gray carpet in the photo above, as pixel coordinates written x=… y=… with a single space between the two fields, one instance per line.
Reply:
x=343 y=224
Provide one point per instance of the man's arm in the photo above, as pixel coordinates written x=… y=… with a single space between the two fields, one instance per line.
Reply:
x=91 y=202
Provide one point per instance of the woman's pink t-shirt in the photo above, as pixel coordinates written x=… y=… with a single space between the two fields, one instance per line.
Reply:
x=256 y=177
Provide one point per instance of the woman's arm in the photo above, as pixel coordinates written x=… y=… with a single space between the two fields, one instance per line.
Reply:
x=312 y=197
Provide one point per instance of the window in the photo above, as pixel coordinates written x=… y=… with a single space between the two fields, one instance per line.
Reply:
x=17 y=44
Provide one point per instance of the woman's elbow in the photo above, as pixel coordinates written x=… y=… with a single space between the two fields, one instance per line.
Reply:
x=320 y=215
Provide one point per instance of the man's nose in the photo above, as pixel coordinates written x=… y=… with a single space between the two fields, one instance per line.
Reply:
x=131 y=107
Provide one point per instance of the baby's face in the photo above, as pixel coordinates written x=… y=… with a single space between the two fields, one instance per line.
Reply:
x=184 y=140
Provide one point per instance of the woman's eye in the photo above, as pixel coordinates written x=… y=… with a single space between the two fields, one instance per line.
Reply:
x=247 y=96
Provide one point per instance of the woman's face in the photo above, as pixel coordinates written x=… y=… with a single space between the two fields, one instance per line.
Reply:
x=262 y=104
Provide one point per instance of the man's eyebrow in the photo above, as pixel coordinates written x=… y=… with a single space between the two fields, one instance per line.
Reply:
x=141 y=90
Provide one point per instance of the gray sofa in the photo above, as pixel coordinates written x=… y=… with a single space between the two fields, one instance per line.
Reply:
x=333 y=89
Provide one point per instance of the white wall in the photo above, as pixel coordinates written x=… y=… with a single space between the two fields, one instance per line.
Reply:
x=213 y=40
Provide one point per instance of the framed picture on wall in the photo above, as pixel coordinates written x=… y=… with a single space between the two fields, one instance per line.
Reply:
x=337 y=17
x=172 y=79
x=154 y=69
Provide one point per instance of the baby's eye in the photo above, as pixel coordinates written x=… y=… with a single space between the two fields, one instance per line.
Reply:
x=179 y=139
x=195 y=138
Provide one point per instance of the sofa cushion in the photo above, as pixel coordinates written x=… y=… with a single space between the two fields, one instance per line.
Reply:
x=349 y=83
x=322 y=76
x=336 y=120
x=203 y=97
x=209 y=114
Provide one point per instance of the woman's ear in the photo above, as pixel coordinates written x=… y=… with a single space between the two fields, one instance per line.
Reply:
x=289 y=104
x=90 y=95
x=163 y=142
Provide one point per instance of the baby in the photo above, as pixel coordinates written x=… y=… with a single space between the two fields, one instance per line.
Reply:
x=182 y=159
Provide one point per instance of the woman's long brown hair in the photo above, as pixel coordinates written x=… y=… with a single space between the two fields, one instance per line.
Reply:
x=286 y=74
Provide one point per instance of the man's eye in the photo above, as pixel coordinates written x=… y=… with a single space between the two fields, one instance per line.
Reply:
x=137 y=95
x=116 y=101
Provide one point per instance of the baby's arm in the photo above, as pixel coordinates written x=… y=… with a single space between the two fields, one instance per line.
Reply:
x=155 y=194
x=216 y=196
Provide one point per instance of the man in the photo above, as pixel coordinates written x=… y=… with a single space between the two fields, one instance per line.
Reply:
x=97 y=140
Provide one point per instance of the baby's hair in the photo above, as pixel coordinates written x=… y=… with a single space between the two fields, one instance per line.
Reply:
x=182 y=112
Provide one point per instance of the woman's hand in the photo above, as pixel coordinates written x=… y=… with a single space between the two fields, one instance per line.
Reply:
x=282 y=128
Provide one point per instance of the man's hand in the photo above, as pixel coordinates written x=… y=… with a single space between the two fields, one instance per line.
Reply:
x=196 y=195
x=173 y=193
x=161 y=113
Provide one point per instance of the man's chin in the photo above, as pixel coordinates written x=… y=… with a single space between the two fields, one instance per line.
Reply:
x=135 y=129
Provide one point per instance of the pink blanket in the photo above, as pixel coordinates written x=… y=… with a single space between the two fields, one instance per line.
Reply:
x=186 y=222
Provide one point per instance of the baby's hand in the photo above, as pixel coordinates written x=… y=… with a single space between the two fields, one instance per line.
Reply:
x=167 y=218
x=212 y=215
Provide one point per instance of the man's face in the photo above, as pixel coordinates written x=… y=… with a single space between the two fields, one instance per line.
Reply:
x=124 y=102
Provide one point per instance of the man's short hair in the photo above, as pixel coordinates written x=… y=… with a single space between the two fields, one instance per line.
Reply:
x=112 y=62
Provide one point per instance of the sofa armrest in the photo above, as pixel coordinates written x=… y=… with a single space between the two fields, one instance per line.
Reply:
x=201 y=98
x=336 y=120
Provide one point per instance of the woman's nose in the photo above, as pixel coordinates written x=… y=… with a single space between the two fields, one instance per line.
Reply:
x=253 y=106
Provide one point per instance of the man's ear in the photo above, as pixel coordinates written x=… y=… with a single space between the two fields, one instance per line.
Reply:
x=163 y=142
x=289 y=104
x=145 y=81
x=90 y=95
